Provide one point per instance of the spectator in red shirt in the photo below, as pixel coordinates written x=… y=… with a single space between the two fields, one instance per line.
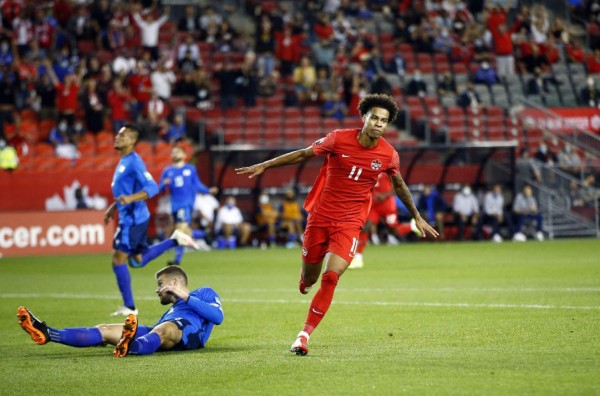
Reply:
x=505 y=61
x=323 y=27
x=119 y=99
x=287 y=50
x=67 y=102
x=575 y=53
x=141 y=88
x=44 y=31
x=593 y=63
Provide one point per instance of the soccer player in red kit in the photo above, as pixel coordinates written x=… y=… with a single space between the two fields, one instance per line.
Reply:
x=383 y=207
x=340 y=199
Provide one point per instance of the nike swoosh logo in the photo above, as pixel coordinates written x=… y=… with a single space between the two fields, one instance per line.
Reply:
x=317 y=312
x=345 y=156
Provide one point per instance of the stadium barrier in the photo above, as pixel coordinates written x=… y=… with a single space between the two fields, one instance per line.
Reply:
x=54 y=233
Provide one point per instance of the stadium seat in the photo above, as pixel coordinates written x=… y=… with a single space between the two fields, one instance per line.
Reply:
x=253 y=135
x=87 y=148
x=329 y=124
x=144 y=149
x=43 y=150
x=162 y=148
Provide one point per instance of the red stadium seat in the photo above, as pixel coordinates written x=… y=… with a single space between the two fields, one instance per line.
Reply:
x=43 y=150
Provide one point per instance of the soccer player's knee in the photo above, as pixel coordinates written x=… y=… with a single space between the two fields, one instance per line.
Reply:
x=330 y=277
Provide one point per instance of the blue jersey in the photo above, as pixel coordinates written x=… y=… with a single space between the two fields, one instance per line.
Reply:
x=183 y=187
x=132 y=177
x=195 y=317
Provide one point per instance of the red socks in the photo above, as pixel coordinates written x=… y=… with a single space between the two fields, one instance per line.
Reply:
x=321 y=301
x=403 y=229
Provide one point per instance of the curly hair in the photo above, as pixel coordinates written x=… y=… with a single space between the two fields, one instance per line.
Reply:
x=378 y=100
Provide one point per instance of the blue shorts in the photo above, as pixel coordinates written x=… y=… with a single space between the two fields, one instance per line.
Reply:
x=192 y=333
x=191 y=337
x=131 y=239
x=183 y=215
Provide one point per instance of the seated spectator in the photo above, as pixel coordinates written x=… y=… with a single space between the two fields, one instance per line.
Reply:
x=189 y=21
x=9 y=160
x=575 y=195
x=569 y=161
x=416 y=86
x=291 y=218
x=469 y=98
x=590 y=192
x=187 y=64
x=432 y=207
x=545 y=155
x=229 y=223
x=493 y=212
x=203 y=99
x=334 y=106
x=447 y=85
x=485 y=74
x=537 y=84
x=592 y=62
x=305 y=77
x=6 y=55
x=574 y=52
x=177 y=130
x=381 y=85
x=266 y=217
x=444 y=42
x=397 y=66
x=466 y=211
x=525 y=208
x=62 y=142
x=590 y=95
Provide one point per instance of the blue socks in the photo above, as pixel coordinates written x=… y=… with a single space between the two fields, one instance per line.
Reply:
x=76 y=337
x=198 y=234
x=145 y=345
x=124 y=281
x=179 y=254
x=157 y=249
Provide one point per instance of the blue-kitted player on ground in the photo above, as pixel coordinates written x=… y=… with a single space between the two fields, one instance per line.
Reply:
x=183 y=183
x=132 y=184
x=184 y=326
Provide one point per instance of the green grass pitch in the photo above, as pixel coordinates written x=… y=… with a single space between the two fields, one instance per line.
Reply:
x=419 y=319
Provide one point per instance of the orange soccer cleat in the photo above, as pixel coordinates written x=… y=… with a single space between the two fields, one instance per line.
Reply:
x=129 y=330
x=33 y=326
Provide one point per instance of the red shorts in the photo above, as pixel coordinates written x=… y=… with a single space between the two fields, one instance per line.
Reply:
x=318 y=240
x=386 y=210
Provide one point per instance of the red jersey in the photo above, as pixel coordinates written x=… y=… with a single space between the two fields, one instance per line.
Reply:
x=66 y=98
x=342 y=191
x=383 y=185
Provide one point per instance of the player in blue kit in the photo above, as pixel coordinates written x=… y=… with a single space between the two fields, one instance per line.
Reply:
x=132 y=184
x=186 y=325
x=183 y=183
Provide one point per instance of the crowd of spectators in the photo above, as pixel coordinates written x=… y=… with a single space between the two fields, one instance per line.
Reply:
x=92 y=66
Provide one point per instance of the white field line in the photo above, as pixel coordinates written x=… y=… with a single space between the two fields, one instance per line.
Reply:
x=67 y=296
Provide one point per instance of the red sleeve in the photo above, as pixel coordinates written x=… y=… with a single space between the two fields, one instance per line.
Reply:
x=324 y=145
x=394 y=168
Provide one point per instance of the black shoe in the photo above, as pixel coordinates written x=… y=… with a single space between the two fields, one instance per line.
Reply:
x=33 y=326
x=173 y=262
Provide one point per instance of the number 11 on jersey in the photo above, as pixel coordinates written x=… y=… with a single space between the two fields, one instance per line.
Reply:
x=352 y=171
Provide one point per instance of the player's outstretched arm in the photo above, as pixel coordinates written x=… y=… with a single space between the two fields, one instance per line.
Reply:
x=294 y=157
x=402 y=191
